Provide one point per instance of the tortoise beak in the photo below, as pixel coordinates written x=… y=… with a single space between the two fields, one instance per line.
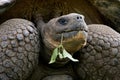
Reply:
x=71 y=32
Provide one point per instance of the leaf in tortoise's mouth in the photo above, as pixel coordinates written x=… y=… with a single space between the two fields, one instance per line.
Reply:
x=61 y=52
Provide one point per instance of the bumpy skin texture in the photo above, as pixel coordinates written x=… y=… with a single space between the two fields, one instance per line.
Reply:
x=19 y=47
x=100 y=59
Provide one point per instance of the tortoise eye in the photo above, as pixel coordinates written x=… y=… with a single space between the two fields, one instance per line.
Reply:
x=63 y=21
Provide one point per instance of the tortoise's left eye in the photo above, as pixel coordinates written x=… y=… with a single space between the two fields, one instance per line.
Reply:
x=63 y=21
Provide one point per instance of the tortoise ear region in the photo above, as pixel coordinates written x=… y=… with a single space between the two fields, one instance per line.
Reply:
x=37 y=18
x=38 y=21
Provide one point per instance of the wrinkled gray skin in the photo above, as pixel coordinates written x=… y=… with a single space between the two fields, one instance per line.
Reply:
x=19 y=49
x=19 y=52
x=100 y=59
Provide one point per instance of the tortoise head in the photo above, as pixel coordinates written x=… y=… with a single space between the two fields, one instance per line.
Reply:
x=71 y=26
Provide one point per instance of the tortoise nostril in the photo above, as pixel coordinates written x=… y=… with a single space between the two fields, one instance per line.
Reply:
x=79 y=17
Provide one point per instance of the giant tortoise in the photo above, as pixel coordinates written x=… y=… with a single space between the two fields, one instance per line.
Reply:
x=26 y=48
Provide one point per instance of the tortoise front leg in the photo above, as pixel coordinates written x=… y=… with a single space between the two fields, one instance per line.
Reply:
x=100 y=59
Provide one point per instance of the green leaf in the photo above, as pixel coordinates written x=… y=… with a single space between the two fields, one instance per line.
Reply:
x=60 y=55
x=61 y=52
x=60 y=47
x=54 y=56
x=67 y=55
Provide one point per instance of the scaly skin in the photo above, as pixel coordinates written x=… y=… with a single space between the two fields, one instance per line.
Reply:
x=100 y=59
x=19 y=47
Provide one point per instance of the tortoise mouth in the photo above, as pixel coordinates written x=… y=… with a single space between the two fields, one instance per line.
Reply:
x=69 y=34
x=72 y=39
x=72 y=42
